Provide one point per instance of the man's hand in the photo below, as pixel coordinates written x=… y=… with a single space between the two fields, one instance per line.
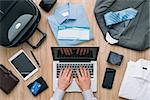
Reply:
x=65 y=79
x=83 y=80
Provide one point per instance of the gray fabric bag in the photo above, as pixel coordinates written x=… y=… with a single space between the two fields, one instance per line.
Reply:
x=136 y=33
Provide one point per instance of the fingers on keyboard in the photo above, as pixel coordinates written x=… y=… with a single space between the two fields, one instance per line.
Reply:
x=76 y=68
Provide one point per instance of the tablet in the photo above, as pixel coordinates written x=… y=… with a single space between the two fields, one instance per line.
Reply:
x=23 y=64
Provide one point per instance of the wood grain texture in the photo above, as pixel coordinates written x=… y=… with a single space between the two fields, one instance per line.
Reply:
x=44 y=57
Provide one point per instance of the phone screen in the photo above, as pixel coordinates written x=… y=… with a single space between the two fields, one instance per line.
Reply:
x=109 y=78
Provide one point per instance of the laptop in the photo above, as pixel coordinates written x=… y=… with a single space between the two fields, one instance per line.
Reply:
x=75 y=57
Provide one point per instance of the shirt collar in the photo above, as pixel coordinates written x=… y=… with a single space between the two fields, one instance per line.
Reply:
x=61 y=9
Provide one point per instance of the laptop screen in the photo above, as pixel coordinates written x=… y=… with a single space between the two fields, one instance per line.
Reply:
x=75 y=53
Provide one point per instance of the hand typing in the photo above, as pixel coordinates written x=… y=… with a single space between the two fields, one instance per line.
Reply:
x=65 y=79
x=83 y=80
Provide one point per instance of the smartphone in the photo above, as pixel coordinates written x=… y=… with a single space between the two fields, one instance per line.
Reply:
x=109 y=78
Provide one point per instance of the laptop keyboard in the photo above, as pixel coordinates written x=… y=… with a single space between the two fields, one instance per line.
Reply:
x=75 y=67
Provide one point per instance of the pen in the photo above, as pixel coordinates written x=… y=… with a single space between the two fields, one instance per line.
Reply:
x=35 y=58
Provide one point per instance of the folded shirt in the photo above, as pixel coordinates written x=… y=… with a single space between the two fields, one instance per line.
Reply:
x=69 y=16
x=74 y=34
x=136 y=81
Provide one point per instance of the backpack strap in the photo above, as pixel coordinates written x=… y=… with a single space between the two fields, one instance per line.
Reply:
x=40 y=41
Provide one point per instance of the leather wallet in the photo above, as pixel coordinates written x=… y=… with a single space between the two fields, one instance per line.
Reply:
x=8 y=80
x=47 y=4
x=41 y=81
x=114 y=58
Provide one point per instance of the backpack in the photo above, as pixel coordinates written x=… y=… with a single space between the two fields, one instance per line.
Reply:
x=18 y=22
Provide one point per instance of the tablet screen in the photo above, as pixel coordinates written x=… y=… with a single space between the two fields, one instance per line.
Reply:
x=23 y=64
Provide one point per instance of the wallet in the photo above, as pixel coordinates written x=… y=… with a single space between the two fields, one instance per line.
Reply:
x=8 y=80
x=114 y=58
x=47 y=4
x=43 y=84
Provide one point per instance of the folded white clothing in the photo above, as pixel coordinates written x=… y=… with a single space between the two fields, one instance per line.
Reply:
x=74 y=34
x=136 y=81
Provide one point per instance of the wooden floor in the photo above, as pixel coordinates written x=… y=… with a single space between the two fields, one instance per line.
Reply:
x=44 y=56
